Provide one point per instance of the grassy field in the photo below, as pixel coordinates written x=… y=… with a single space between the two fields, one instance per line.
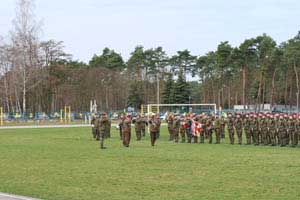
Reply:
x=68 y=164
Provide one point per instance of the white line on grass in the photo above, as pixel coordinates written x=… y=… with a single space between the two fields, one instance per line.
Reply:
x=4 y=196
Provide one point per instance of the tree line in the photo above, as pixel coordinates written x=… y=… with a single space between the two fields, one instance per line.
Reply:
x=40 y=76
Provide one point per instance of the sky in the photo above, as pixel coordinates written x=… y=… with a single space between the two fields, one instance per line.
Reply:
x=88 y=26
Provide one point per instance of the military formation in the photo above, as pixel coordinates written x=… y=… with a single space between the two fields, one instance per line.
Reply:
x=257 y=128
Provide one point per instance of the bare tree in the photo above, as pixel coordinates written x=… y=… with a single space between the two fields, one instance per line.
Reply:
x=25 y=47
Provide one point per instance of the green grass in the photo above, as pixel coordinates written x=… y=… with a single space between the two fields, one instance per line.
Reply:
x=68 y=164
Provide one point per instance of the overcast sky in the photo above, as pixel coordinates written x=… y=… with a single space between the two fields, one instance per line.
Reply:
x=87 y=26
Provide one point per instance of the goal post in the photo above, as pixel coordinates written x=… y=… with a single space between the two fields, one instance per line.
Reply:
x=179 y=108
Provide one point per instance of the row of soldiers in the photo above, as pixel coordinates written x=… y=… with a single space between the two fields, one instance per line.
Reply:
x=140 y=123
x=266 y=129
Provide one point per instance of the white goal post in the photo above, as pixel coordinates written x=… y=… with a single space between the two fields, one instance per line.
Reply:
x=158 y=108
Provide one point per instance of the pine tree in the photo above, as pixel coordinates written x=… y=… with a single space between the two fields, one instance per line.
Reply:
x=168 y=91
x=136 y=94
x=181 y=90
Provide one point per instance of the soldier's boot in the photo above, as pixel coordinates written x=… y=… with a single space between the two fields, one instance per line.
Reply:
x=176 y=138
x=202 y=139
x=218 y=140
x=223 y=134
x=157 y=135
x=195 y=139
x=102 y=144
x=138 y=136
x=183 y=140
x=189 y=139
x=210 y=138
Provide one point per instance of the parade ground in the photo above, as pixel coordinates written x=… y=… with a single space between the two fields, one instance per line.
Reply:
x=66 y=163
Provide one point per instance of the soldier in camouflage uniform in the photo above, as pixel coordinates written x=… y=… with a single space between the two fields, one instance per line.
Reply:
x=264 y=130
x=102 y=125
x=170 y=119
x=176 y=126
x=230 y=127
x=202 y=121
x=217 y=128
x=260 y=125
x=94 y=130
x=144 y=123
x=278 y=139
x=182 y=129
x=138 y=127
x=108 y=128
x=297 y=134
x=239 y=128
x=209 y=128
x=122 y=117
x=292 y=130
x=246 y=124
x=282 y=131
x=158 y=122
x=272 y=130
x=223 y=123
x=188 y=129
x=256 y=130
x=154 y=128
x=126 y=131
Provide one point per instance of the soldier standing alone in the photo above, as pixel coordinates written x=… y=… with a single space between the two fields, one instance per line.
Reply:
x=102 y=128
x=126 y=131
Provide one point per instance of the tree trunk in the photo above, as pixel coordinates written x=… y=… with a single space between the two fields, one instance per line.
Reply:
x=285 y=92
x=24 y=93
x=6 y=94
x=244 y=85
x=297 y=86
x=263 y=94
x=259 y=91
x=229 y=97
x=273 y=88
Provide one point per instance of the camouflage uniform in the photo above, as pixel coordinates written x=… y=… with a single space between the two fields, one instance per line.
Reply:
x=108 y=128
x=297 y=132
x=154 y=127
x=230 y=127
x=292 y=132
x=209 y=129
x=143 y=125
x=176 y=126
x=239 y=129
x=182 y=130
x=126 y=131
x=94 y=130
x=260 y=125
x=223 y=123
x=188 y=130
x=203 y=123
x=102 y=125
x=246 y=124
x=138 y=128
x=282 y=132
x=170 y=127
x=277 y=136
x=272 y=131
x=264 y=131
x=217 y=128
